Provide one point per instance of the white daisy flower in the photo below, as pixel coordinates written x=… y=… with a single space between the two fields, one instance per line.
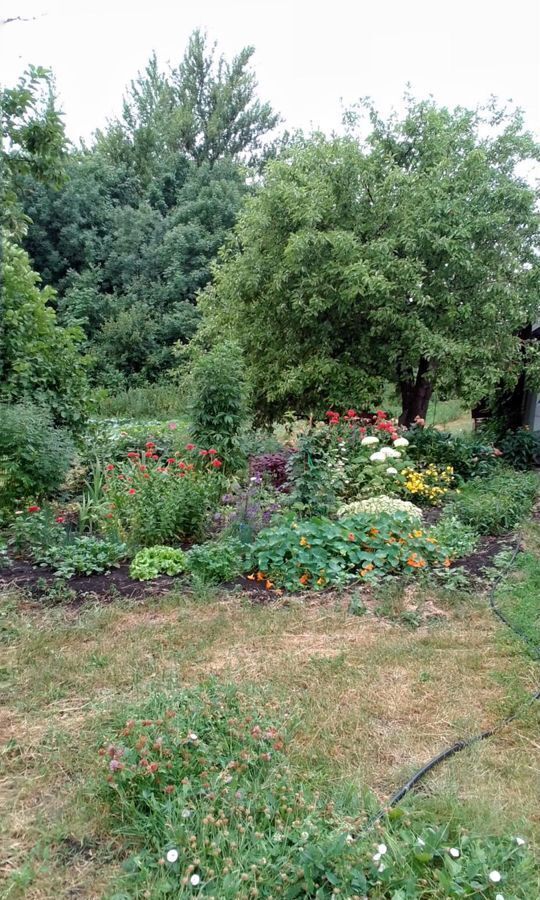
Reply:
x=192 y=736
x=186 y=813
x=171 y=856
x=454 y=852
x=369 y=440
x=195 y=880
x=401 y=442
x=495 y=876
x=520 y=841
x=376 y=857
x=382 y=849
x=499 y=896
x=377 y=457
x=391 y=470
x=381 y=868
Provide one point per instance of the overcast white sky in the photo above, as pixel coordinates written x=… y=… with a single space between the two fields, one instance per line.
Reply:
x=310 y=54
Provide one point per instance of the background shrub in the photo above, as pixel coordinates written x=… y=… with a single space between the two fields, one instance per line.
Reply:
x=469 y=455
x=521 y=449
x=219 y=400
x=34 y=455
x=496 y=505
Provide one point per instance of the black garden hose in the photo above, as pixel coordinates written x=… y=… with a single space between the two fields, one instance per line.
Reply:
x=463 y=744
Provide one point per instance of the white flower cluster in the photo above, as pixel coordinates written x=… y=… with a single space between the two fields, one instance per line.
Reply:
x=380 y=504
x=385 y=453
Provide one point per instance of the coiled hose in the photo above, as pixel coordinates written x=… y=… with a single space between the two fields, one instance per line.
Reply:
x=398 y=795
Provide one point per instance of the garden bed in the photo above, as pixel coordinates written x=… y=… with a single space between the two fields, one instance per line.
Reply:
x=117 y=584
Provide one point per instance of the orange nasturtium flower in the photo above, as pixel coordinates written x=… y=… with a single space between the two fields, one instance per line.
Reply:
x=261 y=576
x=304 y=579
x=304 y=541
x=447 y=562
x=373 y=531
x=415 y=562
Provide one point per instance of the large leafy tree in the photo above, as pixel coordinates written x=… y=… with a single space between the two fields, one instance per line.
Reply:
x=410 y=258
x=205 y=109
x=129 y=238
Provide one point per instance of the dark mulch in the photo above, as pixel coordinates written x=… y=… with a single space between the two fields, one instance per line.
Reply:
x=116 y=583
x=483 y=556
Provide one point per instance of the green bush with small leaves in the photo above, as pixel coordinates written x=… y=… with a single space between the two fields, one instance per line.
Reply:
x=454 y=537
x=219 y=400
x=34 y=455
x=154 y=561
x=217 y=561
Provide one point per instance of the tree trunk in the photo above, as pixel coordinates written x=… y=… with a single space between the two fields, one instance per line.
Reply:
x=416 y=394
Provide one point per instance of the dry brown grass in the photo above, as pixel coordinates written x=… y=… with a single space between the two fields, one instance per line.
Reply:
x=370 y=701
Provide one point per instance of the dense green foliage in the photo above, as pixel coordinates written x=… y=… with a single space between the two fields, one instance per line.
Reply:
x=32 y=142
x=410 y=259
x=129 y=238
x=39 y=360
x=497 y=504
x=34 y=455
x=469 y=455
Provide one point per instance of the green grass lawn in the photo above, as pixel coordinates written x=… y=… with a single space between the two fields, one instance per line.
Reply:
x=363 y=701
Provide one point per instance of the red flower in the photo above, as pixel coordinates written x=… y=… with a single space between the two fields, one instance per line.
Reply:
x=181 y=464
x=149 y=454
x=216 y=463
x=203 y=452
x=110 y=467
x=212 y=451
x=155 y=456
x=150 y=445
x=132 y=491
x=33 y=509
x=351 y=536
x=351 y=414
x=173 y=426
x=60 y=520
x=190 y=446
x=381 y=414
x=171 y=460
x=133 y=455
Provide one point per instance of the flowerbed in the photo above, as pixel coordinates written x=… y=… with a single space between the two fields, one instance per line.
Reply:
x=342 y=502
x=318 y=552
